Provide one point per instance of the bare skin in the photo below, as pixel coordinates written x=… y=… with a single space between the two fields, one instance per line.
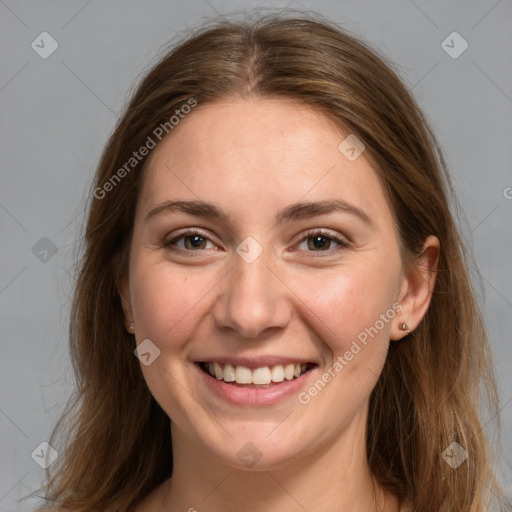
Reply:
x=307 y=297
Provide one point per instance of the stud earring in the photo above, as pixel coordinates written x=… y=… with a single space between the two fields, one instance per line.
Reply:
x=403 y=326
x=132 y=327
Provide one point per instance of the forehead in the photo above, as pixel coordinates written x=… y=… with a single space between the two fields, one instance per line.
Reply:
x=277 y=151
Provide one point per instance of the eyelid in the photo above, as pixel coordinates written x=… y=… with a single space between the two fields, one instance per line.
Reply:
x=185 y=233
x=341 y=240
x=327 y=233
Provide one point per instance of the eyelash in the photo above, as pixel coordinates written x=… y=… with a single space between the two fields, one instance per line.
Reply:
x=310 y=234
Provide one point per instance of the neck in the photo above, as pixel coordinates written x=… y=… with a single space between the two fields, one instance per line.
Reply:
x=335 y=478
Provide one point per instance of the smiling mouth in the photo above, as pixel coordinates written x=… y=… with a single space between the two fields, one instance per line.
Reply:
x=263 y=377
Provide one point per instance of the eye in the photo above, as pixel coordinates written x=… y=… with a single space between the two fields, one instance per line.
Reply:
x=192 y=240
x=320 y=241
x=314 y=241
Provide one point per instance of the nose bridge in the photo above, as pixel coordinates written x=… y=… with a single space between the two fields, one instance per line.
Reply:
x=252 y=299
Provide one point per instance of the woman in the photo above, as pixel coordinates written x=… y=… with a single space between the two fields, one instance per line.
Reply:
x=273 y=310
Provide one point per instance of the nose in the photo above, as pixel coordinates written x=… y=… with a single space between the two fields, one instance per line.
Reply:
x=253 y=300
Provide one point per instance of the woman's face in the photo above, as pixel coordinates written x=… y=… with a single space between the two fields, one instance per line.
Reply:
x=279 y=257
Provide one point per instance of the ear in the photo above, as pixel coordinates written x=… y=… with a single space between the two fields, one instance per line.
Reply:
x=416 y=289
x=124 y=293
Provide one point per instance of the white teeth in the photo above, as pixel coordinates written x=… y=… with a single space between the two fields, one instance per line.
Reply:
x=229 y=373
x=260 y=376
x=218 y=371
x=278 y=373
x=243 y=375
x=289 y=371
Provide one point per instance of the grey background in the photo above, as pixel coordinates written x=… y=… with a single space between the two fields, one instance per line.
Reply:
x=57 y=113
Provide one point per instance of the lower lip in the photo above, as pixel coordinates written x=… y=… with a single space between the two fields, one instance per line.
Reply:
x=255 y=397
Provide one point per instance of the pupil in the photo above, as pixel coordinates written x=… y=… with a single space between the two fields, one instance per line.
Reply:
x=195 y=240
x=319 y=242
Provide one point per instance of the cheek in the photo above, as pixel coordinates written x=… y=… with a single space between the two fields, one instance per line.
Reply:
x=351 y=310
x=348 y=304
x=167 y=305
x=166 y=302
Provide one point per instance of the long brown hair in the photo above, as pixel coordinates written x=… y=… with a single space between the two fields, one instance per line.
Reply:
x=118 y=445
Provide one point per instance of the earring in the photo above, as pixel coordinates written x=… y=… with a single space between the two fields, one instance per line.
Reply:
x=403 y=326
x=132 y=327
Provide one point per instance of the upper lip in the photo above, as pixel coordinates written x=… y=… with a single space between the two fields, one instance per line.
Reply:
x=256 y=361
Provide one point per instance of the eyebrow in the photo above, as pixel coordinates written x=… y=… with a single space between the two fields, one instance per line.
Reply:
x=293 y=212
